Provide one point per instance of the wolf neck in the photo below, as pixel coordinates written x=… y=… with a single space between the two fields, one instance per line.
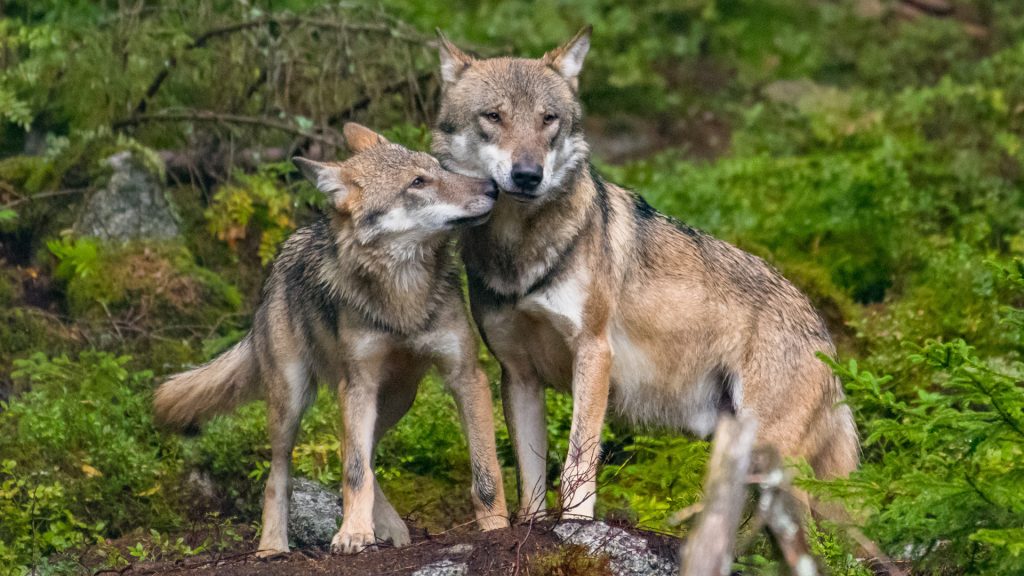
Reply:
x=524 y=245
x=394 y=286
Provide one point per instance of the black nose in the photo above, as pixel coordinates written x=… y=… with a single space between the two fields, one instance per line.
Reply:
x=527 y=176
x=491 y=189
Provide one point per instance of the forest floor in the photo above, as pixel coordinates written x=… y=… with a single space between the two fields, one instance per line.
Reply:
x=508 y=551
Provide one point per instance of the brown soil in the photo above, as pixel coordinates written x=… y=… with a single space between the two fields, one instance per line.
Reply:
x=508 y=551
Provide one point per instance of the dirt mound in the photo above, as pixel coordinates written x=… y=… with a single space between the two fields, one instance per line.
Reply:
x=459 y=552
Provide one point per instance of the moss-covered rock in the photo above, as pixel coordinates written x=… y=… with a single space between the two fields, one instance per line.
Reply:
x=150 y=298
x=131 y=204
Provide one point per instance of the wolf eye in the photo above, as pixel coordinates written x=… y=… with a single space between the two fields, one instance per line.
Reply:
x=493 y=116
x=417 y=182
x=550 y=118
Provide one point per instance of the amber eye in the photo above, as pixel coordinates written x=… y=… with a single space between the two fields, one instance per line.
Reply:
x=493 y=116
x=549 y=119
x=417 y=182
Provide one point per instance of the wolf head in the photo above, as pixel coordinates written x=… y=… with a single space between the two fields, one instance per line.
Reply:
x=390 y=193
x=515 y=120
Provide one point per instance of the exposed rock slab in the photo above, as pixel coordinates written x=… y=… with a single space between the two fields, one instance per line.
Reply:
x=630 y=555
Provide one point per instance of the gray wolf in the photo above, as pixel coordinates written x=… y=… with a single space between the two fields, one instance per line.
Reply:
x=579 y=284
x=367 y=299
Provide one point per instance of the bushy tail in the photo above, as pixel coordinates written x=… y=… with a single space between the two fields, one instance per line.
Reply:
x=190 y=398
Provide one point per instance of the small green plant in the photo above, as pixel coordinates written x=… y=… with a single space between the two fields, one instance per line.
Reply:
x=261 y=202
x=660 y=475
x=82 y=457
x=944 y=484
x=77 y=258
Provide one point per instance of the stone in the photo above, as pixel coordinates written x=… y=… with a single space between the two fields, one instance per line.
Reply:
x=630 y=555
x=443 y=568
x=457 y=549
x=314 y=514
x=131 y=206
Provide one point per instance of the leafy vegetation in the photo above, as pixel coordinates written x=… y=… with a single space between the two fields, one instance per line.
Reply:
x=872 y=151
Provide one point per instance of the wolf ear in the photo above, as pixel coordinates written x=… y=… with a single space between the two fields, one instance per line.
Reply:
x=326 y=178
x=360 y=138
x=453 y=60
x=567 y=59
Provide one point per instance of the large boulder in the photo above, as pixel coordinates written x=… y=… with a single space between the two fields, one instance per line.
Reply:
x=132 y=205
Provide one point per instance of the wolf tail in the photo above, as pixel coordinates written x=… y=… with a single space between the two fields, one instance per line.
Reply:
x=190 y=398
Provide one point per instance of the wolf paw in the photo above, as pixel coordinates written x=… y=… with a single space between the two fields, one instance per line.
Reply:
x=270 y=550
x=352 y=542
x=493 y=522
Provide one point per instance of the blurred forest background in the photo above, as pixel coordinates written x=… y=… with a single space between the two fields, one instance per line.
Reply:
x=872 y=150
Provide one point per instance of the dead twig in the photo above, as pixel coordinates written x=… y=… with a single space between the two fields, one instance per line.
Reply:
x=42 y=195
x=224 y=118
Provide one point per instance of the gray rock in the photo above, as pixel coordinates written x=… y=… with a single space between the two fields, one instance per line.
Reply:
x=314 y=514
x=132 y=205
x=457 y=550
x=630 y=555
x=443 y=568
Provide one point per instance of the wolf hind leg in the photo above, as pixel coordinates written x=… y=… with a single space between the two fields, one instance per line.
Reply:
x=526 y=416
x=387 y=524
x=289 y=393
x=394 y=403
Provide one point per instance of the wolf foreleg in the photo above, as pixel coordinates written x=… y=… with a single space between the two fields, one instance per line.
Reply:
x=473 y=396
x=359 y=412
x=590 y=387
x=526 y=416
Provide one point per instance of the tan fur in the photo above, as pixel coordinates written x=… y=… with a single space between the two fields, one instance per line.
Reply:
x=366 y=299
x=576 y=281
x=222 y=384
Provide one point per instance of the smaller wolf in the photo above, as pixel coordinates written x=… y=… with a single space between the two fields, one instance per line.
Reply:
x=367 y=298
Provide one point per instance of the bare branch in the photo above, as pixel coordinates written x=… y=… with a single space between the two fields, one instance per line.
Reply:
x=223 y=118
x=709 y=549
x=41 y=195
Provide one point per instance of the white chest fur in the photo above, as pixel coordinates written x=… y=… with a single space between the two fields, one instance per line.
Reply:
x=561 y=304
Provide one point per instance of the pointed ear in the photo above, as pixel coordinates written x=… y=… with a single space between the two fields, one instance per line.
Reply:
x=567 y=59
x=326 y=177
x=361 y=138
x=453 y=60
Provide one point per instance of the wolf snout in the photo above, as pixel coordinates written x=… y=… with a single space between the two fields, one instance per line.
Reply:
x=527 y=176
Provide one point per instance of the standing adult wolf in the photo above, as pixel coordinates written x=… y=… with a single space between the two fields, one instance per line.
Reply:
x=365 y=299
x=577 y=281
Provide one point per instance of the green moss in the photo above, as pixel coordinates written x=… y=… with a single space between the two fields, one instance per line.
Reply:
x=153 y=284
x=571 y=560
x=28 y=173
x=10 y=288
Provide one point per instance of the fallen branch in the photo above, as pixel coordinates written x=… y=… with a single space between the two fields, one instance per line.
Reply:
x=779 y=510
x=709 y=549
